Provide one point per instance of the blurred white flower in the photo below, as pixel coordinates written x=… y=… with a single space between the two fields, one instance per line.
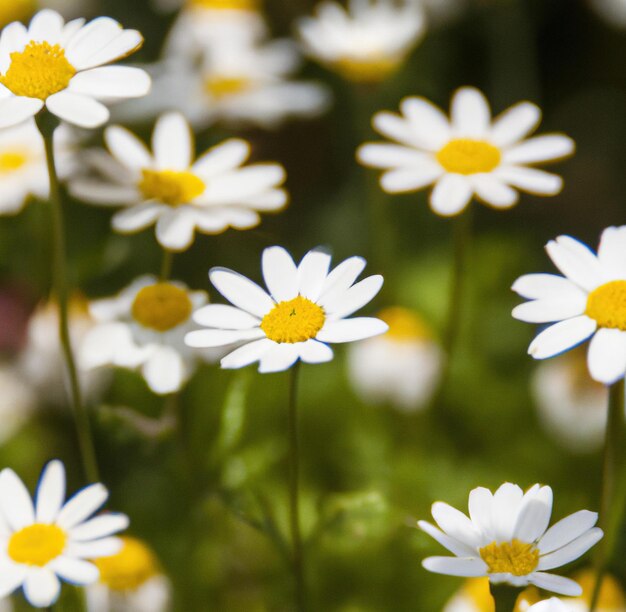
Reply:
x=168 y=188
x=401 y=367
x=304 y=309
x=466 y=156
x=18 y=401
x=40 y=362
x=473 y=596
x=143 y=328
x=130 y=581
x=571 y=406
x=61 y=66
x=612 y=11
x=507 y=538
x=550 y=605
x=368 y=41
x=589 y=301
x=611 y=598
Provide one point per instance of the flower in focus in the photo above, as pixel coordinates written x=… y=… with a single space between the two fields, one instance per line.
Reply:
x=18 y=401
x=466 y=156
x=130 y=581
x=401 y=367
x=304 y=308
x=179 y=195
x=143 y=328
x=23 y=170
x=507 y=538
x=571 y=406
x=365 y=43
x=589 y=301
x=475 y=596
x=40 y=361
x=61 y=66
x=49 y=540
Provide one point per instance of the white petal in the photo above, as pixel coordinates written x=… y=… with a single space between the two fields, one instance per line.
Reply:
x=82 y=505
x=350 y=330
x=354 y=298
x=136 y=218
x=456 y=566
x=534 y=515
x=223 y=316
x=246 y=354
x=172 y=142
x=111 y=82
x=341 y=278
x=451 y=195
x=102 y=547
x=280 y=273
x=470 y=112
x=566 y=530
x=14 y=110
x=607 y=355
x=127 y=148
x=101 y=193
x=381 y=155
x=214 y=338
x=241 y=292
x=15 y=502
x=428 y=123
x=551 y=309
x=224 y=157
x=77 y=109
x=411 y=179
x=531 y=180
x=549 y=147
x=240 y=184
x=455 y=524
x=50 y=492
x=514 y=124
x=576 y=261
x=545 y=286
x=175 y=229
x=453 y=545
x=480 y=511
x=42 y=587
x=561 y=337
x=493 y=191
x=278 y=358
x=165 y=371
x=313 y=351
x=570 y=552
x=99 y=527
x=312 y=273
x=11 y=577
x=46 y=26
x=14 y=37
x=395 y=127
x=506 y=506
x=612 y=251
x=76 y=571
x=556 y=584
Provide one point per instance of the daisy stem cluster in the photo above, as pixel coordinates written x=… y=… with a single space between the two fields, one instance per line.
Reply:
x=47 y=124
x=610 y=509
x=504 y=596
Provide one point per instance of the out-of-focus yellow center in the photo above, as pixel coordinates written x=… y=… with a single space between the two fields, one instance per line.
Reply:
x=611 y=597
x=10 y=161
x=467 y=156
x=515 y=557
x=293 y=321
x=477 y=592
x=527 y=598
x=404 y=325
x=130 y=568
x=38 y=71
x=222 y=86
x=37 y=544
x=367 y=69
x=607 y=305
x=227 y=5
x=15 y=10
x=162 y=307
x=170 y=186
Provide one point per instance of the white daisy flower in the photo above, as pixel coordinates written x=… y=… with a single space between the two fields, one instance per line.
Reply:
x=23 y=169
x=366 y=42
x=48 y=540
x=466 y=156
x=168 y=188
x=130 y=581
x=304 y=308
x=401 y=367
x=144 y=328
x=550 y=605
x=589 y=301
x=507 y=538
x=571 y=406
x=61 y=66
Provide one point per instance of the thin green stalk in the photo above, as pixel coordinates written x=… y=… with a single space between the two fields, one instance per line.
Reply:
x=166 y=264
x=505 y=597
x=297 y=558
x=610 y=511
x=47 y=124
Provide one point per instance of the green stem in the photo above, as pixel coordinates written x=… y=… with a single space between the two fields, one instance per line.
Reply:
x=610 y=511
x=47 y=125
x=297 y=559
x=166 y=264
x=504 y=596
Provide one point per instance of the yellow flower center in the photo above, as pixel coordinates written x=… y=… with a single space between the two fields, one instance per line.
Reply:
x=370 y=69
x=528 y=597
x=293 y=321
x=10 y=161
x=607 y=305
x=37 y=544
x=221 y=87
x=38 y=71
x=15 y=10
x=226 y=5
x=162 y=307
x=467 y=156
x=477 y=591
x=404 y=325
x=515 y=557
x=134 y=565
x=170 y=186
